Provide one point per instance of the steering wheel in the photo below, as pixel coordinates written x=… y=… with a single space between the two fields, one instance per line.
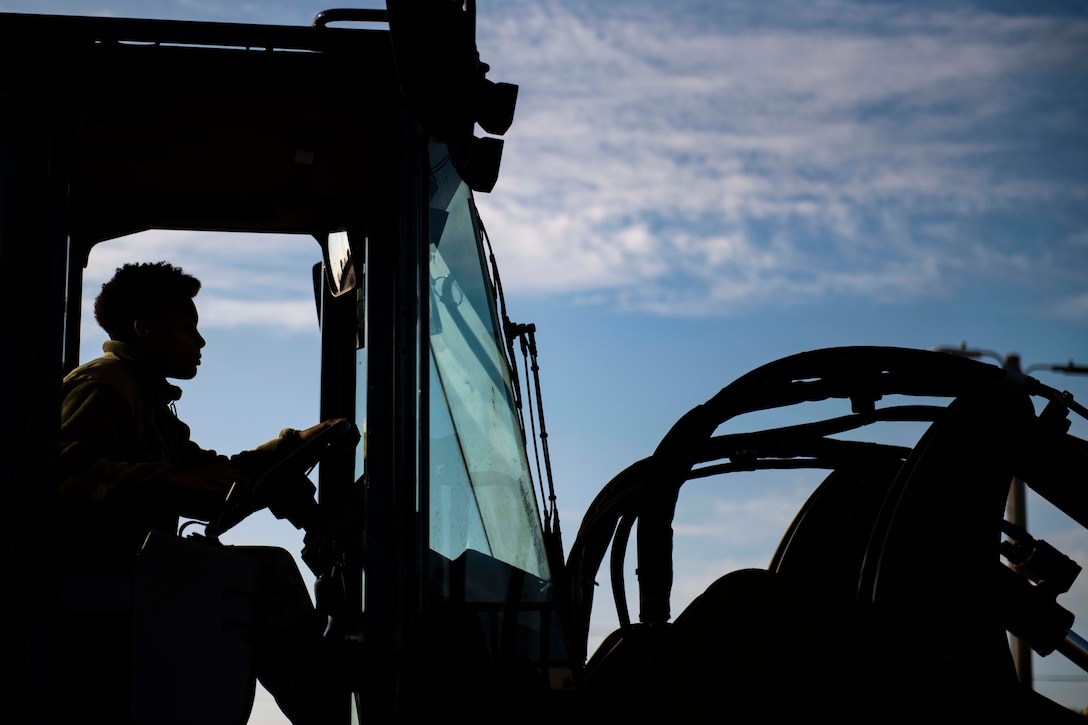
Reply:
x=284 y=488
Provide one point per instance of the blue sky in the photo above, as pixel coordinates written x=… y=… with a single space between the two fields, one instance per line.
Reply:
x=693 y=189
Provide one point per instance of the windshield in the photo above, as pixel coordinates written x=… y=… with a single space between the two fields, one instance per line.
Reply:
x=481 y=493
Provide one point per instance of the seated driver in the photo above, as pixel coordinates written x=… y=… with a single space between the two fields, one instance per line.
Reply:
x=128 y=467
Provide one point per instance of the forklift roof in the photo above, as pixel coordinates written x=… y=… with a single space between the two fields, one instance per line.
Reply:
x=205 y=125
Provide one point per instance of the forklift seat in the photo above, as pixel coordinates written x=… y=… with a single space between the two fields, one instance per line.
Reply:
x=169 y=645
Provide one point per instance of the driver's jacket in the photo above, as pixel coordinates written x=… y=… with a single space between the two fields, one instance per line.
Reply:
x=120 y=440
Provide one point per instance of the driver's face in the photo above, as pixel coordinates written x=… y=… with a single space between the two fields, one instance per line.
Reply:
x=171 y=340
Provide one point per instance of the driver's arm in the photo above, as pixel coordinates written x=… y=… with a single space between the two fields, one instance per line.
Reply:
x=250 y=464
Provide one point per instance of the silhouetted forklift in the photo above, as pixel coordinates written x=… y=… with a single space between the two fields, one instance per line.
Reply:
x=362 y=138
x=886 y=598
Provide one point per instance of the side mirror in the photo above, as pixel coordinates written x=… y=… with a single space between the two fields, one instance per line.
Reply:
x=339 y=265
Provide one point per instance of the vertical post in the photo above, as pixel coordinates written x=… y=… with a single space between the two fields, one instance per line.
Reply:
x=1017 y=510
x=391 y=591
x=33 y=251
x=336 y=475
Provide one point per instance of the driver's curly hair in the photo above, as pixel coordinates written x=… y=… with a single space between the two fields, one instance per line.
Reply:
x=138 y=291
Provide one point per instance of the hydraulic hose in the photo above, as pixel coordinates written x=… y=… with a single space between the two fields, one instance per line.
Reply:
x=1075 y=648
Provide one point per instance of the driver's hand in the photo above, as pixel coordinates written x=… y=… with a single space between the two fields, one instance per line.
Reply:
x=309 y=433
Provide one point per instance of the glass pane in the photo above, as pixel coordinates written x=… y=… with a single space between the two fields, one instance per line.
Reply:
x=481 y=493
x=360 y=409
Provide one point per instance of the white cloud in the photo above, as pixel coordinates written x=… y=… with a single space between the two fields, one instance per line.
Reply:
x=718 y=157
x=292 y=315
x=1073 y=308
x=247 y=279
x=823 y=152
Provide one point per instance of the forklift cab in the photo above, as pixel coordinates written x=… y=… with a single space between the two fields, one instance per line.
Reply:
x=355 y=134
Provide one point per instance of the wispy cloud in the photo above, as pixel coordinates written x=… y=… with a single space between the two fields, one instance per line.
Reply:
x=693 y=161
x=247 y=279
x=1073 y=308
x=705 y=158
